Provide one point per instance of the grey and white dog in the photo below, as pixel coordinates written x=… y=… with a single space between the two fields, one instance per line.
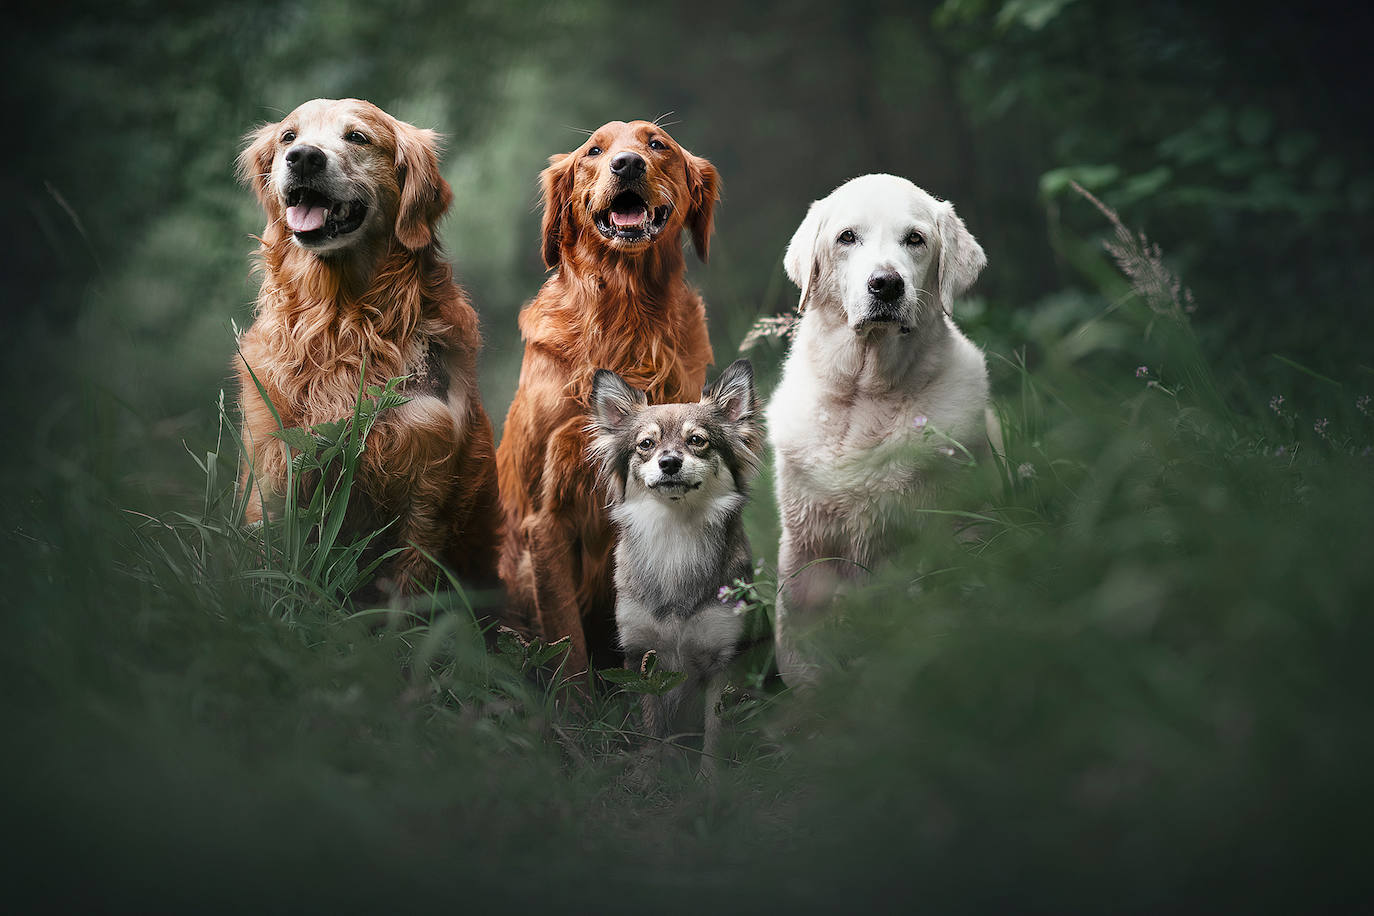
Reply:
x=678 y=476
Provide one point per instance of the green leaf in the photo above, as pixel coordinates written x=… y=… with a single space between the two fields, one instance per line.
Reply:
x=299 y=439
x=620 y=676
x=551 y=651
x=509 y=642
x=330 y=431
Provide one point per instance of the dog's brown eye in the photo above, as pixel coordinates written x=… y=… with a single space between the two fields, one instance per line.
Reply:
x=657 y=144
x=288 y=136
x=915 y=239
x=695 y=441
x=847 y=237
x=594 y=151
x=357 y=137
x=646 y=444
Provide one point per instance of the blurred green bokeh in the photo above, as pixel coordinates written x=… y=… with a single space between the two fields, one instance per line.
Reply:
x=1154 y=694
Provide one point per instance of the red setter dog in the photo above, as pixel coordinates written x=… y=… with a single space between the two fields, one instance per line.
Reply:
x=614 y=211
x=352 y=271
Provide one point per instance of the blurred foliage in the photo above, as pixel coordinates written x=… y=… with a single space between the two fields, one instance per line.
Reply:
x=1143 y=684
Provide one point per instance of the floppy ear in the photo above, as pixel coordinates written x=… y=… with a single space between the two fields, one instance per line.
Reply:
x=733 y=393
x=614 y=402
x=802 y=261
x=255 y=165
x=425 y=195
x=961 y=258
x=703 y=186
x=557 y=182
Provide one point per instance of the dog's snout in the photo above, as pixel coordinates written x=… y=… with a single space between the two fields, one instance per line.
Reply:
x=670 y=462
x=305 y=161
x=627 y=165
x=886 y=285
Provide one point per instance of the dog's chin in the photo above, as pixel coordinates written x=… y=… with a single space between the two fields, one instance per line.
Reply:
x=881 y=320
x=630 y=223
x=320 y=223
x=673 y=489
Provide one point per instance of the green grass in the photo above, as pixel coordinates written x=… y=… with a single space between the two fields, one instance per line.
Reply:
x=1142 y=682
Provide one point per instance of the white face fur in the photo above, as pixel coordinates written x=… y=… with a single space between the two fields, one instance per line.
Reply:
x=884 y=253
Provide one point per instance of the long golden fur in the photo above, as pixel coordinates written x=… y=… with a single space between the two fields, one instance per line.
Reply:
x=612 y=303
x=380 y=293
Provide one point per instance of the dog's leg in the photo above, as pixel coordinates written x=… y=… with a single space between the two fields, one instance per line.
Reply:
x=806 y=584
x=555 y=602
x=410 y=458
x=710 y=742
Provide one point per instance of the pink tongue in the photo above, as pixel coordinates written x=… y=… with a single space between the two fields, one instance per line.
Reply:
x=304 y=219
x=628 y=219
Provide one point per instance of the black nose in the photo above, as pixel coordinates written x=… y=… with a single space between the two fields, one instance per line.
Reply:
x=669 y=463
x=886 y=285
x=304 y=161
x=627 y=165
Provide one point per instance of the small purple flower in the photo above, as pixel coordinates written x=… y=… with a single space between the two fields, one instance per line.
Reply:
x=740 y=606
x=920 y=421
x=1280 y=452
x=1362 y=404
x=1276 y=403
x=1142 y=371
x=1320 y=427
x=723 y=595
x=1025 y=470
x=946 y=450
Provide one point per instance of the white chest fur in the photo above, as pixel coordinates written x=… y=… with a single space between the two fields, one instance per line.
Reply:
x=856 y=428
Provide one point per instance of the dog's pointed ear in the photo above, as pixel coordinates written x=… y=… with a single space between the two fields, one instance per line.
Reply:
x=733 y=393
x=802 y=260
x=961 y=257
x=614 y=402
x=254 y=167
x=425 y=195
x=703 y=187
x=557 y=183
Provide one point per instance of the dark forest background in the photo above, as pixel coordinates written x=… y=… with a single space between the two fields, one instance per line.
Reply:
x=1236 y=136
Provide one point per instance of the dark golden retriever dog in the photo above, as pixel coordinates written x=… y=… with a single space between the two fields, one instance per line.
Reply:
x=353 y=275
x=614 y=213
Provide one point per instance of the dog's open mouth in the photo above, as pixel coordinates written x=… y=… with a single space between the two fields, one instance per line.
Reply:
x=314 y=217
x=629 y=218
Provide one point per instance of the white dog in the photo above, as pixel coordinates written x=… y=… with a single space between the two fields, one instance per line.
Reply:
x=878 y=387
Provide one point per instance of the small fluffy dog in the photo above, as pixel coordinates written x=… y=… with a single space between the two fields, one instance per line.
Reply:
x=615 y=210
x=876 y=377
x=353 y=272
x=678 y=475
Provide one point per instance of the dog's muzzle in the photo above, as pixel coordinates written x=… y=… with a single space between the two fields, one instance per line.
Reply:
x=629 y=218
x=317 y=217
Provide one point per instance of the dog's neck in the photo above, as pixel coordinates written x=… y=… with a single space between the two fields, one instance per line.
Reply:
x=624 y=312
x=606 y=281
x=671 y=549
x=334 y=311
x=878 y=361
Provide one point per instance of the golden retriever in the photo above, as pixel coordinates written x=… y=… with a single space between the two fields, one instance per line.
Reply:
x=878 y=388
x=353 y=274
